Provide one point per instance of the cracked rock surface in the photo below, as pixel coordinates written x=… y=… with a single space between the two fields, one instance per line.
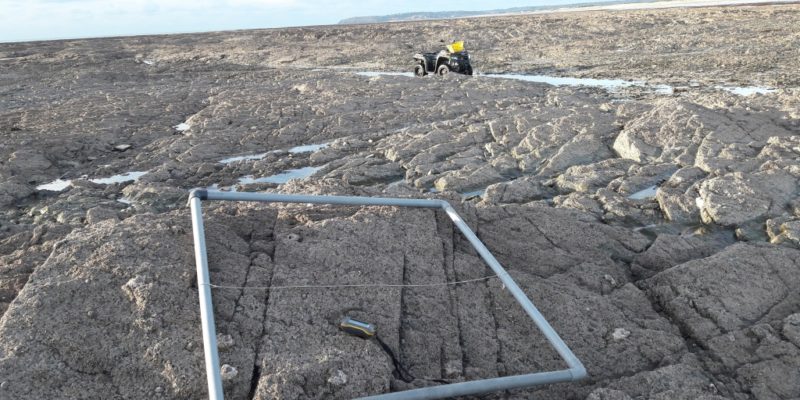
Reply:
x=658 y=233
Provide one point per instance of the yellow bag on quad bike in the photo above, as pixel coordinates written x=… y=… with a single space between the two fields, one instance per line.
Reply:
x=456 y=47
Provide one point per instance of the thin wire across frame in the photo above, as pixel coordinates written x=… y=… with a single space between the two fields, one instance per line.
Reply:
x=576 y=370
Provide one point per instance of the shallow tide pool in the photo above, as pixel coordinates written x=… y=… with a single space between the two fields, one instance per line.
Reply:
x=126 y=177
x=648 y=193
x=183 y=126
x=61 y=184
x=306 y=148
x=282 y=177
x=607 y=84
x=610 y=85
x=55 y=186
x=746 y=90
x=473 y=193
x=379 y=73
x=309 y=148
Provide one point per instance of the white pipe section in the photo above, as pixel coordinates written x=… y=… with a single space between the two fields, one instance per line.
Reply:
x=206 y=307
x=537 y=317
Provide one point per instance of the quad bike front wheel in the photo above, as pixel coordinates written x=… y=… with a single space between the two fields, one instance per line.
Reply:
x=419 y=70
x=443 y=70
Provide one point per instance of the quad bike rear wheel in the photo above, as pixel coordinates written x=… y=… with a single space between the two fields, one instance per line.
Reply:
x=419 y=70
x=443 y=70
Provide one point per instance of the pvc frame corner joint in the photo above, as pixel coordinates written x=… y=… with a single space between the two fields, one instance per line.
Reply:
x=576 y=370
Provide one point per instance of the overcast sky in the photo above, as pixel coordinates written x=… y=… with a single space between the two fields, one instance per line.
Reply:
x=22 y=20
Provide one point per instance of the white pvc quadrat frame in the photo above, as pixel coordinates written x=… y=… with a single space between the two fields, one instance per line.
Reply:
x=576 y=370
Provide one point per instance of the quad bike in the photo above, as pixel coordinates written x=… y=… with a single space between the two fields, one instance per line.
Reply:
x=453 y=59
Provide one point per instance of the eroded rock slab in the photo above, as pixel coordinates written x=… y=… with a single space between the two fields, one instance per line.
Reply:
x=736 y=303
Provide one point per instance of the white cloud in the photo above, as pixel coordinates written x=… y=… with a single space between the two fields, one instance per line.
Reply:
x=22 y=20
x=263 y=3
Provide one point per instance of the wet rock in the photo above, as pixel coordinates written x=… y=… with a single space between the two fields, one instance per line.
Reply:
x=633 y=148
x=130 y=249
x=22 y=250
x=640 y=177
x=505 y=165
x=669 y=250
x=762 y=361
x=97 y=214
x=582 y=149
x=580 y=201
x=72 y=207
x=310 y=333
x=205 y=169
x=155 y=197
x=517 y=191
x=628 y=359
x=608 y=394
x=28 y=162
x=784 y=231
x=730 y=200
x=172 y=172
x=734 y=140
x=262 y=246
x=685 y=380
x=751 y=231
x=122 y=147
x=663 y=133
x=791 y=329
x=678 y=207
x=736 y=198
x=781 y=153
x=743 y=285
x=677 y=197
x=12 y=191
x=585 y=178
x=366 y=172
x=465 y=180
x=566 y=235
x=575 y=134
x=625 y=210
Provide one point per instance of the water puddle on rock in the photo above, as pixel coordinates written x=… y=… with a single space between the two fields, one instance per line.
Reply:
x=473 y=193
x=55 y=186
x=126 y=177
x=645 y=194
x=250 y=157
x=641 y=228
x=59 y=185
x=283 y=177
x=607 y=84
x=373 y=74
x=306 y=148
x=309 y=148
x=183 y=126
x=746 y=90
x=610 y=85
